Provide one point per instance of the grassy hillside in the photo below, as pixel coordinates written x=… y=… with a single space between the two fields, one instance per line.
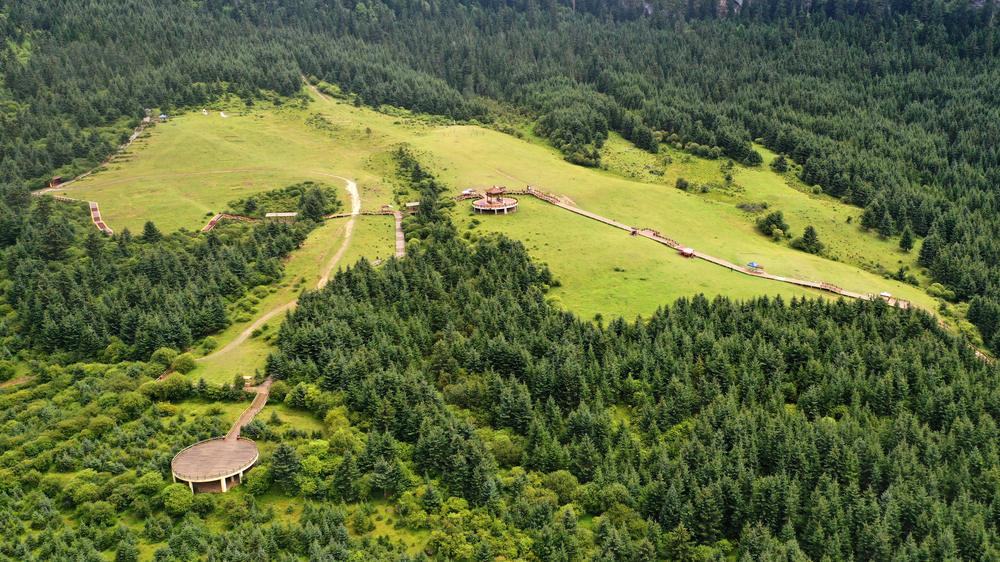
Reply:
x=189 y=168
x=475 y=157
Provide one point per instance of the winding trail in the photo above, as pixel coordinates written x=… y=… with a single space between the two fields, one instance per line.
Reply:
x=352 y=190
x=12 y=382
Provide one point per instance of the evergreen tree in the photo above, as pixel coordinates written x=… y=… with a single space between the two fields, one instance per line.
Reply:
x=780 y=164
x=344 y=479
x=886 y=226
x=150 y=233
x=809 y=241
x=906 y=239
x=312 y=204
x=286 y=467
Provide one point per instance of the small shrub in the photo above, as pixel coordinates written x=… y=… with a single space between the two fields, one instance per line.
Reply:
x=773 y=225
x=753 y=208
x=184 y=363
x=163 y=356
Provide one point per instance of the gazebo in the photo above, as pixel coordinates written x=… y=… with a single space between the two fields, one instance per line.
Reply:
x=495 y=202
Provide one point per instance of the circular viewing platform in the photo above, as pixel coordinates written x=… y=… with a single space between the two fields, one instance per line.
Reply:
x=214 y=465
x=495 y=205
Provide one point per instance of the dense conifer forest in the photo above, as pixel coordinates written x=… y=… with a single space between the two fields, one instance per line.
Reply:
x=494 y=424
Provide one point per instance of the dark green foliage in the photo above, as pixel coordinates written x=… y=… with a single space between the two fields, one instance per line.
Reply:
x=917 y=147
x=906 y=239
x=150 y=233
x=313 y=200
x=313 y=205
x=773 y=224
x=285 y=467
x=809 y=241
x=125 y=299
x=809 y=398
x=780 y=164
x=808 y=429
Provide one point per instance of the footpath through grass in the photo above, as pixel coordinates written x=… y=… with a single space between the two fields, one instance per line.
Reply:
x=605 y=271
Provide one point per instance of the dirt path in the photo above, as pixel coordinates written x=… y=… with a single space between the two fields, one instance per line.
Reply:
x=352 y=190
x=315 y=90
x=12 y=382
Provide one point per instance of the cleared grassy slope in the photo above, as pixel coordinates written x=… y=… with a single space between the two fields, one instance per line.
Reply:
x=164 y=179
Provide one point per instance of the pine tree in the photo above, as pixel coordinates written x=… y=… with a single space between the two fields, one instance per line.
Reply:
x=431 y=499
x=906 y=239
x=929 y=249
x=886 y=226
x=780 y=164
x=344 y=479
x=312 y=204
x=150 y=233
x=93 y=244
x=285 y=467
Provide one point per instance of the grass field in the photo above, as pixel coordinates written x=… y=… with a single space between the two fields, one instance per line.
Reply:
x=710 y=224
x=189 y=167
x=604 y=270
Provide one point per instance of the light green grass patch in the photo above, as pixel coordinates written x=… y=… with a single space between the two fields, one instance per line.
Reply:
x=605 y=270
x=290 y=418
x=190 y=167
x=196 y=408
x=710 y=225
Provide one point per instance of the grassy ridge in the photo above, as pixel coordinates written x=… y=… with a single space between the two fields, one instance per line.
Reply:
x=163 y=180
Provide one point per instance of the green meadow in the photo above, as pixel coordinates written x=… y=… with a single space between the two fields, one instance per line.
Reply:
x=187 y=169
x=709 y=222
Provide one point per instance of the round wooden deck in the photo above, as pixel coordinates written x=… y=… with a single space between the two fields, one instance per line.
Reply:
x=495 y=205
x=214 y=459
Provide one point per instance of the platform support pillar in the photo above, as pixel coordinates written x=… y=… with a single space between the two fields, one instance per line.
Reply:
x=223 y=482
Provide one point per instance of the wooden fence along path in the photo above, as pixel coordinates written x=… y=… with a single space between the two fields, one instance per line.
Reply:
x=223 y=216
x=95 y=213
x=657 y=237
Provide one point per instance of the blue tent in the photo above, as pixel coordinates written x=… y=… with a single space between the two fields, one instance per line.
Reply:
x=754 y=265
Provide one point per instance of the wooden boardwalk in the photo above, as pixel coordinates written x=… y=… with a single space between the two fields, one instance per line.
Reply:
x=252 y=410
x=400 y=237
x=95 y=212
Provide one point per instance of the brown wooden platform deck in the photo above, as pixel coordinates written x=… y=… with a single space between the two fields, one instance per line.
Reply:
x=214 y=459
